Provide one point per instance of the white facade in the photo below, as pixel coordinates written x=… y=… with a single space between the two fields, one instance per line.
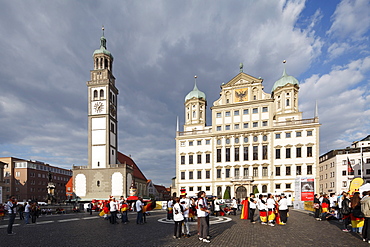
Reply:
x=333 y=169
x=256 y=140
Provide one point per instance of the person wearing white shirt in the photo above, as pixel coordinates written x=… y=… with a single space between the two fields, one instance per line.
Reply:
x=270 y=208
x=185 y=203
x=113 y=207
x=252 y=207
x=169 y=209
x=283 y=209
x=202 y=213
x=27 y=210
x=178 y=217
x=139 y=210
x=261 y=204
x=234 y=206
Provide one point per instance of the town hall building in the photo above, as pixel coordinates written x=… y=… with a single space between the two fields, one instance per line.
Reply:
x=258 y=141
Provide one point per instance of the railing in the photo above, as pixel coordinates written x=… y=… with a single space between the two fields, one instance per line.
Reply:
x=296 y=122
x=194 y=132
x=241 y=179
x=79 y=167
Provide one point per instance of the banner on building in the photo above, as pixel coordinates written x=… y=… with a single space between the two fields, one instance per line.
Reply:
x=307 y=189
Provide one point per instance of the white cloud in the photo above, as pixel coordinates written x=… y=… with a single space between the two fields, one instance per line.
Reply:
x=351 y=19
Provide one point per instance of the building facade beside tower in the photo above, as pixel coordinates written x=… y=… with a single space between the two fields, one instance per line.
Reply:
x=339 y=167
x=109 y=172
x=258 y=142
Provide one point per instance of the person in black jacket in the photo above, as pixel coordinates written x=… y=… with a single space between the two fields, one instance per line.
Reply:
x=346 y=211
x=316 y=206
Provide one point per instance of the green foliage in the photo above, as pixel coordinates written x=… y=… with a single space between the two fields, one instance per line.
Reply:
x=255 y=191
x=227 y=194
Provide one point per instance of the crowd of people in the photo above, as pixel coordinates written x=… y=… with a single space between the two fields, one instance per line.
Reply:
x=352 y=210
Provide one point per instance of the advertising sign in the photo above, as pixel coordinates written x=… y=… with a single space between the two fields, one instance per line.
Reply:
x=307 y=189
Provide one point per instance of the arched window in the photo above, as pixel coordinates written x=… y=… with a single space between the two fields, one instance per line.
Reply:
x=287 y=102
x=110 y=97
x=96 y=63
x=219 y=192
x=194 y=114
x=264 y=188
x=101 y=94
x=105 y=63
x=95 y=94
x=98 y=183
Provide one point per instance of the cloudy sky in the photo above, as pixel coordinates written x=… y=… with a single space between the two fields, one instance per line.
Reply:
x=158 y=46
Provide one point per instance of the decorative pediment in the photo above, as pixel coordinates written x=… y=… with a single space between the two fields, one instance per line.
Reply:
x=242 y=79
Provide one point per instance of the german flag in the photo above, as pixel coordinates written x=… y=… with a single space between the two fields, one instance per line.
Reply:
x=263 y=215
x=271 y=215
x=245 y=210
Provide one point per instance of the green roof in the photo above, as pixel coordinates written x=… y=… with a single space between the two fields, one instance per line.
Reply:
x=284 y=80
x=103 y=48
x=195 y=93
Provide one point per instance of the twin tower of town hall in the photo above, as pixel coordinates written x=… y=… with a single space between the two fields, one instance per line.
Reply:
x=257 y=143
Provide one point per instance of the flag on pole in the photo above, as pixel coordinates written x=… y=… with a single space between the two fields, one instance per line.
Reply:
x=349 y=167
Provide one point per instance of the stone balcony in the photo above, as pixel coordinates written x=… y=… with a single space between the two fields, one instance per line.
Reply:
x=241 y=179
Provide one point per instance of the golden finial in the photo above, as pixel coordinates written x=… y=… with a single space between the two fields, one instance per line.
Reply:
x=284 y=61
x=102 y=28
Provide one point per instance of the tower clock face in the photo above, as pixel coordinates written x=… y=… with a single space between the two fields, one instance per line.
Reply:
x=98 y=107
x=113 y=110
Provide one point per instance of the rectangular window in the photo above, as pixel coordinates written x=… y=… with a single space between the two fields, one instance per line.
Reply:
x=245 y=172
x=208 y=174
x=277 y=136
x=191 y=188
x=367 y=161
x=287 y=171
x=264 y=152
x=264 y=171
x=191 y=159
x=208 y=158
x=309 y=133
x=227 y=173
x=255 y=152
x=298 y=134
x=367 y=171
x=199 y=174
x=245 y=153
x=255 y=124
x=199 y=159
x=299 y=170
x=358 y=172
x=287 y=135
x=245 y=125
x=236 y=113
x=344 y=173
x=255 y=171
x=190 y=175
x=255 y=110
x=218 y=114
x=236 y=154
x=277 y=171
x=309 y=151
x=277 y=186
x=237 y=174
x=17 y=174
x=277 y=153
x=288 y=186
x=199 y=188
x=208 y=188
x=287 y=153
x=227 y=127
x=236 y=126
x=227 y=154
x=264 y=109
x=182 y=175
x=218 y=128
x=299 y=152
x=218 y=173
x=218 y=155
x=208 y=142
x=245 y=111
x=112 y=129
x=182 y=159
x=227 y=114
x=309 y=170
x=264 y=123
x=199 y=143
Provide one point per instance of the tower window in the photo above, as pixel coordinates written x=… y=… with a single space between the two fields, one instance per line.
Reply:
x=98 y=163
x=98 y=183
x=101 y=94
x=95 y=94
x=287 y=102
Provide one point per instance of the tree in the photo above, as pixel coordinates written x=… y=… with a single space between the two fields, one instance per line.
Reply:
x=227 y=194
x=255 y=190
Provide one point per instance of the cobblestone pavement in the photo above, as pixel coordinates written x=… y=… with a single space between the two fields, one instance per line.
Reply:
x=85 y=230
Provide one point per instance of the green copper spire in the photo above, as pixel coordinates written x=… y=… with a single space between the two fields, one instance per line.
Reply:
x=103 y=46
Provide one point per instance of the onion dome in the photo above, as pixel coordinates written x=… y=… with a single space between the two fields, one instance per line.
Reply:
x=284 y=80
x=195 y=93
x=103 y=47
